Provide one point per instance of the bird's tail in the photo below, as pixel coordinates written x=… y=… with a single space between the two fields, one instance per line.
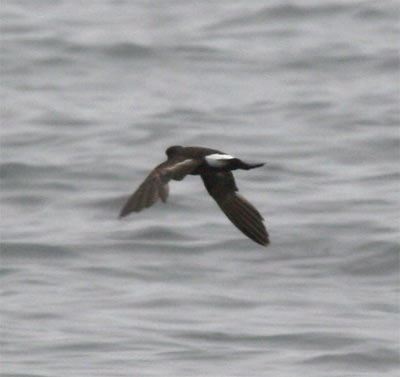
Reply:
x=248 y=165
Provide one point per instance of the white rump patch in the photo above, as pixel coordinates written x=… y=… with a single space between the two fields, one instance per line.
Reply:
x=217 y=160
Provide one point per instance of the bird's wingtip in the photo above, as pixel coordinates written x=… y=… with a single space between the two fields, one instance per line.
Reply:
x=263 y=242
x=122 y=214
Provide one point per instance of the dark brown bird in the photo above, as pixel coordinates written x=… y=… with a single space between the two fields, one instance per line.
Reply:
x=214 y=168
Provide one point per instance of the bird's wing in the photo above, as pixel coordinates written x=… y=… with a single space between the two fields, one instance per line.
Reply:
x=222 y=187
x=155 y=186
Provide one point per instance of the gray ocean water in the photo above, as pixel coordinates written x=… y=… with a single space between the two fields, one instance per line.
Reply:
x=92 y=95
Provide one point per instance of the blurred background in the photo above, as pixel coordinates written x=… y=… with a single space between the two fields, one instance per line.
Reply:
x=92 y=95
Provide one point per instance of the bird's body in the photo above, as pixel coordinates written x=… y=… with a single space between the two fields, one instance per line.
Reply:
x=215 y=168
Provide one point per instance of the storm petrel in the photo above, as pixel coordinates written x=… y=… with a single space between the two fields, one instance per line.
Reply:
x=214 y=168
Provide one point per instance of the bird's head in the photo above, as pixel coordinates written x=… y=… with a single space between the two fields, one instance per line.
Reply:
x=173 y=151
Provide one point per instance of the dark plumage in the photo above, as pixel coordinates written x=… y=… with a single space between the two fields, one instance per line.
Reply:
x=214 y=167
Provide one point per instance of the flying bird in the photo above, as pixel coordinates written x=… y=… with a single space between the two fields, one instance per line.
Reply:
x=215 y=169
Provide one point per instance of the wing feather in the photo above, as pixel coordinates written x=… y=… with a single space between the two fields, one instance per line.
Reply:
x=155 y=185
x=222 y=187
